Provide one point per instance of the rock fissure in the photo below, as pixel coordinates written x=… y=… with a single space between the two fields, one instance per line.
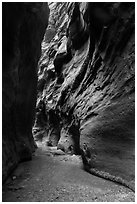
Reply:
x=83 y=56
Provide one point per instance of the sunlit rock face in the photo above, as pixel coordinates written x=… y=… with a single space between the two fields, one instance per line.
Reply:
x=24 y=25
x=86 y=85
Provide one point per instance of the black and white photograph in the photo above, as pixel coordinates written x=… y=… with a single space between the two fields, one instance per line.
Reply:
x=68 y=101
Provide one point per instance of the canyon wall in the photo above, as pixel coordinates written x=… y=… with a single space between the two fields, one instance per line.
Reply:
x=86 y=86
x=23 y=28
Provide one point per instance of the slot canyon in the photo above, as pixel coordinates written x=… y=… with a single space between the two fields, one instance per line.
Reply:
x=68 y=101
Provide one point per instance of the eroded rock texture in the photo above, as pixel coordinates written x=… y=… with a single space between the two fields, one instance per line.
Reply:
x=24 y=26
x=86 y=86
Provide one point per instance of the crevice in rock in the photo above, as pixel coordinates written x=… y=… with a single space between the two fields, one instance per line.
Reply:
x=85 y=91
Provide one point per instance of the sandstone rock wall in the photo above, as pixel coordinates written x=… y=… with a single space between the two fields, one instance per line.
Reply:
x=23 y=28
x=90 y=108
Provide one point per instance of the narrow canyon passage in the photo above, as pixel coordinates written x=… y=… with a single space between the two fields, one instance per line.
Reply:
x=53 y=176
x=68 y=101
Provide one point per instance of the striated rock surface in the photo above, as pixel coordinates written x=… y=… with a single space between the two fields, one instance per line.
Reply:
x=86 y=86
x=24 y=25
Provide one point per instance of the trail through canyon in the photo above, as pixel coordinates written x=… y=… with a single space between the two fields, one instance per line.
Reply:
x=53 y=176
